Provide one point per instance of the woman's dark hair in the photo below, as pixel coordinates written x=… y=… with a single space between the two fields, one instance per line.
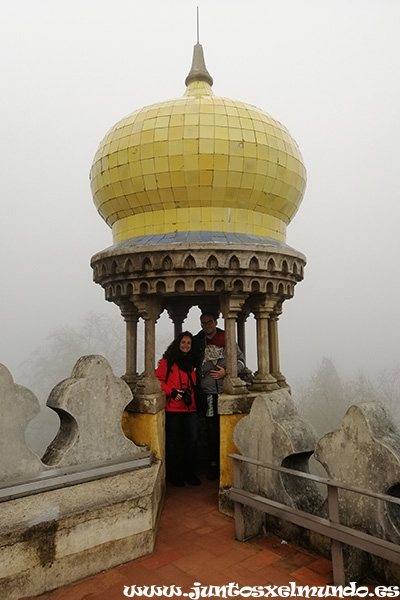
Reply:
x=174 y=355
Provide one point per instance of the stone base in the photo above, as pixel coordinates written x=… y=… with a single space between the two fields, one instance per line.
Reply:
x=55 y=538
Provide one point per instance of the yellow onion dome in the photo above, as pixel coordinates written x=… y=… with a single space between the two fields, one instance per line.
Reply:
x=199 y=163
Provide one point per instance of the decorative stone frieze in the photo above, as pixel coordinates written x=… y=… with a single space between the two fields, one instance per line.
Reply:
x=197 y=269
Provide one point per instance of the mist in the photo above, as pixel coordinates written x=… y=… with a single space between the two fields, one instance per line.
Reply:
x=327 y=70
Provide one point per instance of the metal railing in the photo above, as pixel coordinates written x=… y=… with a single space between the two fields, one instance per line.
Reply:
x=330 y=527
x=56 y=478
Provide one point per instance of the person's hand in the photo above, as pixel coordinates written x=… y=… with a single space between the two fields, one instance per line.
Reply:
x=218 y=373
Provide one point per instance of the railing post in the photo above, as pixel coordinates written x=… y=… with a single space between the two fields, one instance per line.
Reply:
x=336 y=546
x=238 y=507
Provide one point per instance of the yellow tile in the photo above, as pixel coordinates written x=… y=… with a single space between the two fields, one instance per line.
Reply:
x=161 y=164
x=235 y=134
x=177 y=120
x=180 y=195
x=190 y=162
x=178 y=179
x=148 y=124
x=147 y=166
x=236 y=163
x=206 y=146
x=221 y=162
x=206 y=131
x=206 y=177
x=220 y=178
x=206 y=195
x=161 y=133
x=160 y=148
x=176 y=163
x=147 y=136
x=221 y=147
x=247 y=181
x=191 y=132
x=175 y=147
x=206 y=161
x=166 y=195
x=175 y=133
x=162 y=121
x=191 y=146
x=207 y=119
x=164 y=180
x=114 y=175
x=234 y=179
x=193 y=193
x=192 y=180
x=150 y=182
x=248 y=135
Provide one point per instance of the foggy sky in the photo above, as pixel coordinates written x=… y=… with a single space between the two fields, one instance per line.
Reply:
x=327 y=70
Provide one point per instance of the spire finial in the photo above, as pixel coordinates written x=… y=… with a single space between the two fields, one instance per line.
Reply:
x=198 y=72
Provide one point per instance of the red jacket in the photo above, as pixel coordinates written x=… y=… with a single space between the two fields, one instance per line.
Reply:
x=177 y=380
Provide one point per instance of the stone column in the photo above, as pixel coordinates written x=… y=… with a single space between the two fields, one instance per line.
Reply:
x=274 y=346
x=231 y=305
x=241 y=331
x=131 y=317
x=177 y=311
x=143 y=421
x=263 y=381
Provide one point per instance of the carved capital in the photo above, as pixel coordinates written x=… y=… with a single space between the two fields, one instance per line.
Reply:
x=148 y=307
x=231 y=304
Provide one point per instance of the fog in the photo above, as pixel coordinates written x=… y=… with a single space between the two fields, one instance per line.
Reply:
x=328 y=70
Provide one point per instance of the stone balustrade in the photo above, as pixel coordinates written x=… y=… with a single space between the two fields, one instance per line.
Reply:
x=76 y=529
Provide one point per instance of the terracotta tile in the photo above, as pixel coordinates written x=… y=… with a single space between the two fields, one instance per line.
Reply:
x=321 y=565
x=309 y=577
x=194 y=559
x=157 y=561
x=260 y=560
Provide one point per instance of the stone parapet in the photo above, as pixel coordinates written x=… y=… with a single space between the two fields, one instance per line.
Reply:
x=52 y=539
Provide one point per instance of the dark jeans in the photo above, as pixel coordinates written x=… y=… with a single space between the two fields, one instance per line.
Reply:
x=212 y=424
x=181 y=430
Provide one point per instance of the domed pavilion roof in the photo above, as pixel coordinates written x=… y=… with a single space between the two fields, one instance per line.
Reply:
x=199 y=163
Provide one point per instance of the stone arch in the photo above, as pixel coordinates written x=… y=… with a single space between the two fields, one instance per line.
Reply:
x=166 y=263
x=128 y=266
x=270 y=287
x=109 y=292
x=129 y=289
x=255 y=285
x=285 y=268
x=114 y=267
x=234 y=262
x=103 y=270
x=238 y=285
x=189 y=262
x=161 y=287
x=144 y=288
x=295 y=268
x=118 y=290
x=199 y=285
x=280 y=289
x=254 y=265
x=146 y=264
x=271 y=265
x=212 y=262
x=288 y=289
x=219 y=285
x=180 y=286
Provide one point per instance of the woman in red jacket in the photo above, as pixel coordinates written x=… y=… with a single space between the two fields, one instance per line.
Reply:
x=178 y=380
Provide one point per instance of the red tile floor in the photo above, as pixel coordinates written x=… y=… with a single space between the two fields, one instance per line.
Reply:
x=196 y=543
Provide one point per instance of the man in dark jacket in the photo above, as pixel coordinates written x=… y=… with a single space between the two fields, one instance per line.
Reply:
x=211 y=364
